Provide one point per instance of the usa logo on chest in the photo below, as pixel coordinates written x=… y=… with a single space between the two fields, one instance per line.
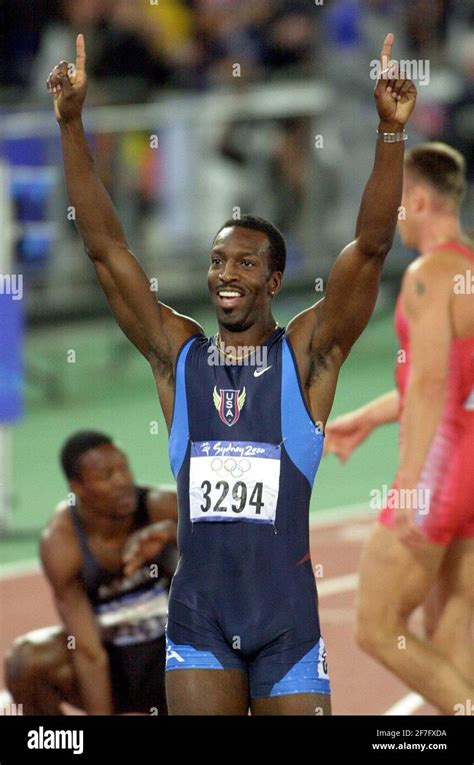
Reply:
x=229 y=403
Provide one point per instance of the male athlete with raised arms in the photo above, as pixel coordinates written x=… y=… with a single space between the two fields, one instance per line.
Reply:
x=429 y=540
x=243 y=628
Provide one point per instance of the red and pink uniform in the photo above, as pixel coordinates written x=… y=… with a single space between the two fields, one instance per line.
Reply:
x=448 y=473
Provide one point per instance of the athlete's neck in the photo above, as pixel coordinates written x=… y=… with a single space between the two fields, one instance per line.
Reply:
x=439 y=231
x=105 y=526
x=254 y=336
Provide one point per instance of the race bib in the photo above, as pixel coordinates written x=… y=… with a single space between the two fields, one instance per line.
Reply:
x=135 y=618
x=234 y=481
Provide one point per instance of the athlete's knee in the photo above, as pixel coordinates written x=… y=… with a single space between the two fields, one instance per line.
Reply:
x=375 y=633
x=367 y=631
x=22 y=665
x=30 y=661
x=369 y=638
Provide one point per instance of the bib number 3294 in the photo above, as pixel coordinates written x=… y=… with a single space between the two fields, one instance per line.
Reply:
x=234 y=481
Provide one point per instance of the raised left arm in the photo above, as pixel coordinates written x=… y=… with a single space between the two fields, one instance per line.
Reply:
x=326 y=331
x=354 y=279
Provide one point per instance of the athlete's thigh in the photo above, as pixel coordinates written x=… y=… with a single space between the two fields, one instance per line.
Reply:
x=395 y=579
x=290 y=677
x=207 y=692
x=458 y=568
x=434 y=605
x=455 y=581
x=457 y=575
x=308 y=704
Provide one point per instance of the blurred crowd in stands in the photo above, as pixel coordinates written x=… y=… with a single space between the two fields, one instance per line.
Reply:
x=192 y=44
x=137 y=48
x=140 y=50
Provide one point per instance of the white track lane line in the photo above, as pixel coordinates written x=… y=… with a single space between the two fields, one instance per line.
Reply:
x=337 y=584
x=334 y=516
x=333 y=586
x=407 y=705
x=19 y=569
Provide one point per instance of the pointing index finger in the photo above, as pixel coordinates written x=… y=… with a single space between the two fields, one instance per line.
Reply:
x=386 y=52
x=80 y=54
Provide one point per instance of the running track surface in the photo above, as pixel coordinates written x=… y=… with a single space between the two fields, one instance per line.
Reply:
x=359 y=685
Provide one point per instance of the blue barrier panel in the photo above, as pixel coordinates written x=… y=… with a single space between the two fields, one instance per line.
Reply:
x=11 y=362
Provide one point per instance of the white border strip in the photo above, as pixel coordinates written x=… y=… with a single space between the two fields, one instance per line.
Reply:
x=407 y=705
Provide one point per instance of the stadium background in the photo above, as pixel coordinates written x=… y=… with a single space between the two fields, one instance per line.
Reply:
x=180 y=142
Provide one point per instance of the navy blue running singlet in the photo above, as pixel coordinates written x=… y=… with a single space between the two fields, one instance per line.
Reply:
x=244 y=451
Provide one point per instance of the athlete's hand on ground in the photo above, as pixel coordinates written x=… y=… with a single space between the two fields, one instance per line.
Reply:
x=345 y=433
x=68 y=84
x=146 y=544
x=395 y=95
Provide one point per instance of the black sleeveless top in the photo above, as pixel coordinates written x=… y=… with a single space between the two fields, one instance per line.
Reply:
x=129 y=609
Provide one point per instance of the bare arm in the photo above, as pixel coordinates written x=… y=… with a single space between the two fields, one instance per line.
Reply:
x=145 y=544
x=61 y=563
x=328 y=329
x=426 y=296
x=162 y=504
x=157 y=330
x=382 y=410
x=349 y=430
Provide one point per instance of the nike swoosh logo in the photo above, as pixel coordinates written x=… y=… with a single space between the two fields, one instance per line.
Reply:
x=259 y=372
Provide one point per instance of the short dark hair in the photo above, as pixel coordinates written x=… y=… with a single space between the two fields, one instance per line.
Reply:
x=441 y=166
x=277 y=249
x=76 y=446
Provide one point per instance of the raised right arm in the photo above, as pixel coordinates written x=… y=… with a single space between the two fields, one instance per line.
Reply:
x=156 y=330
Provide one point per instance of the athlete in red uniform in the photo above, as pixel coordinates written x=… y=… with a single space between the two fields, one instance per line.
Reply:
x=425 y=534
x=447 y=475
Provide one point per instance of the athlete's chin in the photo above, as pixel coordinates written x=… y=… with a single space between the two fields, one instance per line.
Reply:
x=120 y=514
x=232 y=320
x=124 y=506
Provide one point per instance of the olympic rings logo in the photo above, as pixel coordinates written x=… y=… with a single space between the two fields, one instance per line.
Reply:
x=236 y=468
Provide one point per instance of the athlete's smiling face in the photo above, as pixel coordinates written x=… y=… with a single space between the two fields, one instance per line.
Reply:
x=105 y=484
x=240 y=277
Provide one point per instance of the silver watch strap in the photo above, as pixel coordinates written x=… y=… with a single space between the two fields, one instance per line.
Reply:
x=391 y=137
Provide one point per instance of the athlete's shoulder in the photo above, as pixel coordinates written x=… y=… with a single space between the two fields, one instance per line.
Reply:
x=59 y=533
x=431 y=271
x=160 y=502
x=442 y=260
x=427 y=285
x=198 y=342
